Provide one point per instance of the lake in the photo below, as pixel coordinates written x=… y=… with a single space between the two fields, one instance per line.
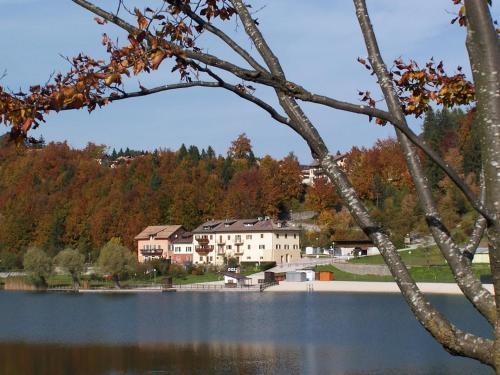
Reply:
x=228 y=333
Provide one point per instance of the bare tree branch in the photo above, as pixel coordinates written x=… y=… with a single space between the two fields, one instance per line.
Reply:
x=222 y=35
x=459 y=265
x=470 y=248
x=260 y=75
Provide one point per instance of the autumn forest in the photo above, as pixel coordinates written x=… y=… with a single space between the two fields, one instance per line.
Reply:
x=54 y=196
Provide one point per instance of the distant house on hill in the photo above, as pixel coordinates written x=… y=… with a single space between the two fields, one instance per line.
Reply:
x=313 y=171
x=154 y=242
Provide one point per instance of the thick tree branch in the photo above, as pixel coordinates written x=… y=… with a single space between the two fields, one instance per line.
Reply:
x=484 y=55
x=459 y=265
x=394 y=105
x=451 y=338
x=299 y=121
x=241 y=93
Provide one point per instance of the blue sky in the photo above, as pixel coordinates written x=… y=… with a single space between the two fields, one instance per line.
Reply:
x=317 y=42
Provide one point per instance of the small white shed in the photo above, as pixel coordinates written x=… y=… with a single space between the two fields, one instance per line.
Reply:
x=481 y=256
x=236 y=279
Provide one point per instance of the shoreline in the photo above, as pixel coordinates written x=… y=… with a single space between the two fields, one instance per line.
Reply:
x=297 y=287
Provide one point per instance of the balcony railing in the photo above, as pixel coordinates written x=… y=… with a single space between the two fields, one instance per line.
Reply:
x=152 y=252
x=204 y=249
x=202 y=239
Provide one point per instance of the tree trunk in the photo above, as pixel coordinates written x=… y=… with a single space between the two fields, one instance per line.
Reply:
x=116 y=280
x=482 y=46
x=76 y=282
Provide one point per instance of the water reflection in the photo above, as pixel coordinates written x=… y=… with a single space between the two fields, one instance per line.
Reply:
x=184 y=333
x=22 y=358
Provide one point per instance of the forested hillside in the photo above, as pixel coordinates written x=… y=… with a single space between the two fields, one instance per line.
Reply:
x=54 y=196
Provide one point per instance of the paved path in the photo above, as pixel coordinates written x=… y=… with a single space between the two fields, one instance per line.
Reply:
x=364 y=287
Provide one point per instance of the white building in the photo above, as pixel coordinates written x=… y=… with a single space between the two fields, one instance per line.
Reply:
x=354 y=248
x=247 y=240
x=482 y=255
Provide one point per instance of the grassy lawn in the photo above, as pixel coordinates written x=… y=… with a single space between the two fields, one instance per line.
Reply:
x=418 y=257
x=346 y=276
x=191 y=279
x=437 y=274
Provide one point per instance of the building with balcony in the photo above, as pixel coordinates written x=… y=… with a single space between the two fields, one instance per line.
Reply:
x=182 y=248
x=154 y=242
x=247 y=240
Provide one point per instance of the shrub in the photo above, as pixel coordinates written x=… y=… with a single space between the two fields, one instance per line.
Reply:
x=177 y=271
x=38 y=265
x=197 y=270
x=116 y=260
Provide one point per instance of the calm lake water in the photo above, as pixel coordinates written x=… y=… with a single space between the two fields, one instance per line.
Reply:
x=232 y=333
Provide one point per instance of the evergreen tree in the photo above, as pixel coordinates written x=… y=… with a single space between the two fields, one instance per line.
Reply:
x=182 y=152
x=194 y=153
x=210 y=152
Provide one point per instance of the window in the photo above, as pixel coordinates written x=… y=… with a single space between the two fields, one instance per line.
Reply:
x=286 y=247
x=261 y=257
x=201 y=258
x=262 y=235
x=249 y=247
x=229 y=247
x=248 y=258
x=237 y=238
x=278 y=247
x=286 y=235
x=228 y=236
x=248 y=237
x=295 y=235
x=211 y=236
x=261 y=247
x=277 y=235
x=211 y=258
x=188 y=249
